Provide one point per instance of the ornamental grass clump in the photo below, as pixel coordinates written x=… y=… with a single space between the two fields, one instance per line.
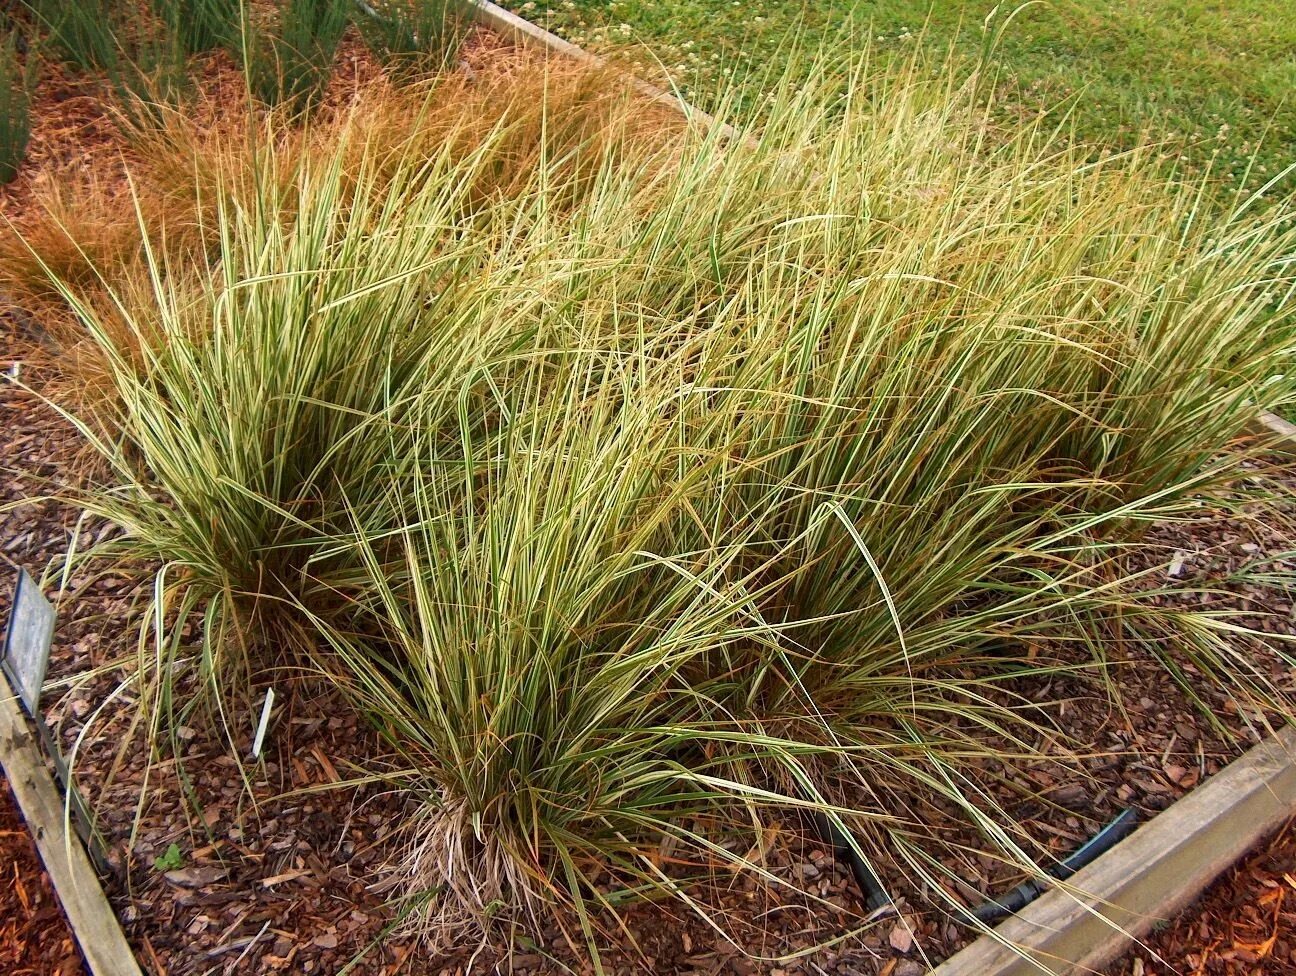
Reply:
x=645 y=486
x=15 y=108
x=413 y=36
x=289 y=60
x=82 y=33
x=302 y=377
x=202 y=25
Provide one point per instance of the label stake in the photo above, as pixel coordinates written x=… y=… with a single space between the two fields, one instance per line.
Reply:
x=261 y=725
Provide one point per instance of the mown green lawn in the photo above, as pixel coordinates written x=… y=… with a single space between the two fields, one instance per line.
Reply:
x=1214 y=79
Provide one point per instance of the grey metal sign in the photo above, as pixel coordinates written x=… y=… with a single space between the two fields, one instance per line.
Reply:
x=27 y=641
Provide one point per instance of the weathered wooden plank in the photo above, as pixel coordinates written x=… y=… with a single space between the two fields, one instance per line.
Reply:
x=527 y=34
x=523 y=32
x=1148 y=877
x=92 y=920
x=1280 y=435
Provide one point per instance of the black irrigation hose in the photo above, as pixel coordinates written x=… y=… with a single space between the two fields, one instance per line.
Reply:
x=1026 y=892
x=844 y=849
x=994 y=909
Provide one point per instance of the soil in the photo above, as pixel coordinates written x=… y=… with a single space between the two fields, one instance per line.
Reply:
x=237 y=865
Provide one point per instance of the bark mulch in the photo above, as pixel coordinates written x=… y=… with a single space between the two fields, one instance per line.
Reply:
x=34 y=935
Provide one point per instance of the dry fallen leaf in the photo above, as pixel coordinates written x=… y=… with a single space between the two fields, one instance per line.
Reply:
x=901 y=937
x=196 y=877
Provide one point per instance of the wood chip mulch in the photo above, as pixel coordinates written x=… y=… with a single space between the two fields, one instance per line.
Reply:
x=34 y=935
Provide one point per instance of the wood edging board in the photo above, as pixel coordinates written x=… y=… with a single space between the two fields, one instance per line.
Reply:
x=91 y=918
x=527 y=34
x=1145 y=879
x=1280 y=435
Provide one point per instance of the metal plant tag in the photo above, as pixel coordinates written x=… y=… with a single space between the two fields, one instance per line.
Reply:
x=27 y=642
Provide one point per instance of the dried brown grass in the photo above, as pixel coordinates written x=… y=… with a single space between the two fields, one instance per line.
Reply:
x=163 y=189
